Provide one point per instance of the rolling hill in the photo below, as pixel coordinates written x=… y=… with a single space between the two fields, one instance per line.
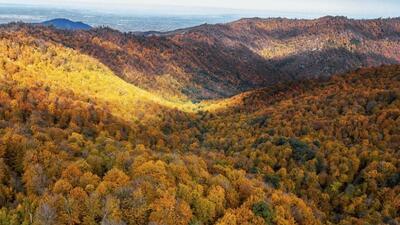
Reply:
x=334 y=143
x=214 y=61
x=101 y=127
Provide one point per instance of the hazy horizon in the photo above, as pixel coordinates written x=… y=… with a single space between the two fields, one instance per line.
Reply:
x=286 y=8
x=145 y=17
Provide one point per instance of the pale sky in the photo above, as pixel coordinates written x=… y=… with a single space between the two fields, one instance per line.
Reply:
x=357 y=8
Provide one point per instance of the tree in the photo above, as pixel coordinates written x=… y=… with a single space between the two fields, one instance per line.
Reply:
x=36 y=180
x=112 y=214
x=45 y=214
x=216 y=194
x=263 y=209
x=170 y=211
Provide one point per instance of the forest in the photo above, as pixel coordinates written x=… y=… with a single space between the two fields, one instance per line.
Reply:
x=79 y=144
x=218 y=61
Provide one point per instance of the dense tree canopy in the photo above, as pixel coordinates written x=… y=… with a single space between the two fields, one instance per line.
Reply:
x=78 y=145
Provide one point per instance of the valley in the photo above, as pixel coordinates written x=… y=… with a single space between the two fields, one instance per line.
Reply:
x=219 y=61
x=258 y=121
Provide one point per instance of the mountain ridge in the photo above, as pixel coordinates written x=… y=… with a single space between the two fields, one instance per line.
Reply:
x=217 y=61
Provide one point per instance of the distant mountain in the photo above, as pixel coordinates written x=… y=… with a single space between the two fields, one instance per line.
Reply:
x=67 y=24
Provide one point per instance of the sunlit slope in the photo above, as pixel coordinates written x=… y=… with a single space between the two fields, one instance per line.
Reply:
x=30 y=62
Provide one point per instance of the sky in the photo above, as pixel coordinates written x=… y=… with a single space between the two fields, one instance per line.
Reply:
x=351 y=8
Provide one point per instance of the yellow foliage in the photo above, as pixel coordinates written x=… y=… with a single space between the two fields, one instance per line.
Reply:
x=64 y=69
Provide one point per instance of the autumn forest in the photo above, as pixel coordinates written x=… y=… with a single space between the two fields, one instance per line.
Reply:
x=258 y=121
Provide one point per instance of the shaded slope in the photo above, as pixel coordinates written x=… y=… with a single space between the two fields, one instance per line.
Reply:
x=166 y=68
x=213 y=61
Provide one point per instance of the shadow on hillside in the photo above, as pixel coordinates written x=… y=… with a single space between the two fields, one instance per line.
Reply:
x=216 y=69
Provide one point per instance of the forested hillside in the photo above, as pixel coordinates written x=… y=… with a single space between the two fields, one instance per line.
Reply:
x=215 y=61
x=334 y=144
x=80 y=145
